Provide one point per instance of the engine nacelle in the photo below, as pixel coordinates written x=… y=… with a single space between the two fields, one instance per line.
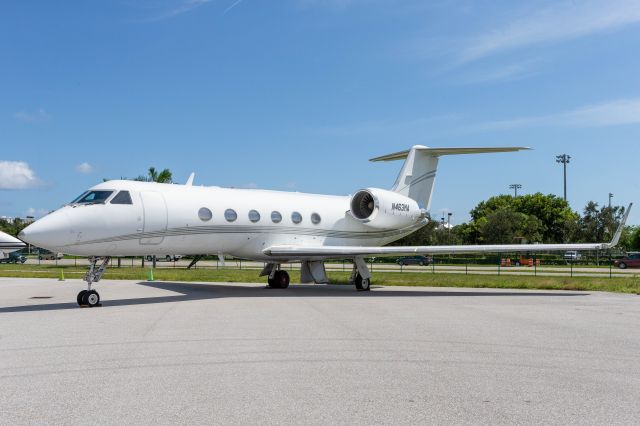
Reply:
x=381 y=209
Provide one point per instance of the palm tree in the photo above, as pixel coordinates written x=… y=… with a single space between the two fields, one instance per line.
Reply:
x=153 y=175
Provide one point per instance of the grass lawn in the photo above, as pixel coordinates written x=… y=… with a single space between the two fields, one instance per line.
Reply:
x=623 y=285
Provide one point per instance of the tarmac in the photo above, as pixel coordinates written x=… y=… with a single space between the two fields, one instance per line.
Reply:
x=167 y=353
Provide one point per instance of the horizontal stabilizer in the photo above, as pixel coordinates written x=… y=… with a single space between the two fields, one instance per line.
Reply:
x=438 y=152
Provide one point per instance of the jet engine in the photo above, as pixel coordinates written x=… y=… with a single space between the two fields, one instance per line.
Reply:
x=381 y=209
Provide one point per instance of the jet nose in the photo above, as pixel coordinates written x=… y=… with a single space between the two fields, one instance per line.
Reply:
x=9 y=243
x=51 y=232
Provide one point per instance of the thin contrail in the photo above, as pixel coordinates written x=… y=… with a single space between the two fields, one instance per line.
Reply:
x=234 y=4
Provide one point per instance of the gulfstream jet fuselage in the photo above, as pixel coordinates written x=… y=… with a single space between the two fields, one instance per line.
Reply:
x=129 y=218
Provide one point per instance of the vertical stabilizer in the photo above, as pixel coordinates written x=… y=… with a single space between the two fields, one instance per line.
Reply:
x=418 y=174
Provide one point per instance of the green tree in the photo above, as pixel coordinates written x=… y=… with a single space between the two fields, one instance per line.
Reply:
x=506 y=226
x=12 y=228
x=164 y=176
x=598 y=224
x=634 y=239
x=557 y=222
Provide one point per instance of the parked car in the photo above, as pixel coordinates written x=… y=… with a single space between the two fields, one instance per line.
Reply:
x=414 y=260
x=572 y=256
x=14 y=257
x=168 y=258
x=49 y=255
x=631 y=260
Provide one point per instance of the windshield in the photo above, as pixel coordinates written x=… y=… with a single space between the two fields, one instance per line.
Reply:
x=92 y=197
x=75 y=200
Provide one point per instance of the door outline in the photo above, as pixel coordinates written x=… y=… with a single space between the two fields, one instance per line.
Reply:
x=152 y=201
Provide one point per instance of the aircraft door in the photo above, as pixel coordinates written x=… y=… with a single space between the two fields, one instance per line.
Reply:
x=155 y=217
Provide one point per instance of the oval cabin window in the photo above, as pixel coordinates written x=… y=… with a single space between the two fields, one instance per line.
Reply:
x=205 y=214
x=296 y=217
x=254 y=216
x=230 y=215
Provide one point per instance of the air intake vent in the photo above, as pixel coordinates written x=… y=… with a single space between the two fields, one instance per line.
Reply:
x=362 y=205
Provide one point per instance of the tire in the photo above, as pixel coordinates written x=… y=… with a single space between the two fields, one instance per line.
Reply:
x=168 y=258
x=362 y=284
x=422 y=263
x=279 y=280
x=282 y=279
x=92 y=298
x=39 y=257
x=622 y=265
x=81 y=297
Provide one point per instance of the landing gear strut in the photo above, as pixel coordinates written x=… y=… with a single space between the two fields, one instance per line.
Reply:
x=360 y=275
x=91 y=297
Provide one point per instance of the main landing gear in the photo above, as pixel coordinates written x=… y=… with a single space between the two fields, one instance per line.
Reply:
x=280 y=279
x=276 y=277
x=360 y=275
x=90 y=297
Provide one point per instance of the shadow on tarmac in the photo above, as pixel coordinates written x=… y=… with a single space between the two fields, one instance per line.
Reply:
x=193 y=291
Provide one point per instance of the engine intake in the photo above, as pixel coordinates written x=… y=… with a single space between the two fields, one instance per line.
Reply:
x=363 y=204
x=382 y=209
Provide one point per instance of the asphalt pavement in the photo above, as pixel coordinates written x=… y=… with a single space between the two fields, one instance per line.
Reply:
x=167 y=353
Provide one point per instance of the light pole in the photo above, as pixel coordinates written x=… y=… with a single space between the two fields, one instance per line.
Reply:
x=610 y=197
x=515 y=187
x=449 y=227
x=564 y=159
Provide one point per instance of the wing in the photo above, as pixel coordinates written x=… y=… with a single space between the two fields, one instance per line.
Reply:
x=329 y=252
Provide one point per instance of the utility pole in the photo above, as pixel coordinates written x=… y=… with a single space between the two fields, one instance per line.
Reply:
x=610 y=197
x=564 y=159
x=515 y=187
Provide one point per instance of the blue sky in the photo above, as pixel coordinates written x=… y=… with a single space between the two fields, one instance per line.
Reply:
x=299 y=94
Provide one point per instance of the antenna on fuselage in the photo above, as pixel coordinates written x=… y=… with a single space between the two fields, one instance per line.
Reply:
x=190 y=180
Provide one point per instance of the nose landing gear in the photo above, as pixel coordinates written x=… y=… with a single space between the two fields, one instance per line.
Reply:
x=90 y=297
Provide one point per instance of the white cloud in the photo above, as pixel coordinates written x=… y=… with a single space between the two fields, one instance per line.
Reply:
x=17 y=175
x=563 y=21
x=613 y=113
x=38 y=116
x=37 y=213
x=511 y=72
x=84 y=168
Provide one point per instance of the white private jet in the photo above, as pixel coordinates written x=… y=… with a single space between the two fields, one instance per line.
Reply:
x=129 y=218
x=9 y=244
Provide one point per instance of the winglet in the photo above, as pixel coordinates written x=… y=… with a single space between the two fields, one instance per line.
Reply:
x=190 y=180
x=616 y=237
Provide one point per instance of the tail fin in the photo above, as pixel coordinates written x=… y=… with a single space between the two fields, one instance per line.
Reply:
x=418 y=173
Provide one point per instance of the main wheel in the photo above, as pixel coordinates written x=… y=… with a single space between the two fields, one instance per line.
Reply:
x=282 y=279
x=622 y=265
x=81 y=297
x=362 y=284
x=92 y=298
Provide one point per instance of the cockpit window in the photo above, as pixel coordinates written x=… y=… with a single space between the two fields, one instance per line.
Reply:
x=94 y=197
x=75 y=200
x=122 y=197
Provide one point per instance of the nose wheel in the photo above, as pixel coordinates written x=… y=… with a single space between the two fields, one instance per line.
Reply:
x=90 y=297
